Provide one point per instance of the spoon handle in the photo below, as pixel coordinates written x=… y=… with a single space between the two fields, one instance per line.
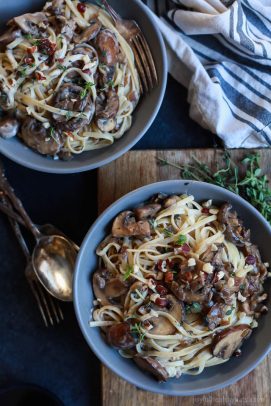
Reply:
x=8 y=211
x=16 y=202
x=16 y=228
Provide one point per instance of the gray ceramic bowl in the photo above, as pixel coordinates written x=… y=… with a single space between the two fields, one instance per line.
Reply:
x=213 y=378
x=142 y=118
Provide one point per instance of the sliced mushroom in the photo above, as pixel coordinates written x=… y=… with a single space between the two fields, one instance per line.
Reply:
x=57 y=7
x=169 y=201
x=89 y=33
x=107 y=104
x=125 y=225
x=38 y=137
x=152 y=366
x=161 y=325
x=9 y=36
x=228 y=341
x=188 y=296
x=29 y=22
x=106 y=287
x=106 y=74
x=215 y=315
x=147 y=211
x=120 y=337
x=64 y=27
x=69 y=98
x=8 y=127
x=235 y=232
x=107 y=46
x=106 y=125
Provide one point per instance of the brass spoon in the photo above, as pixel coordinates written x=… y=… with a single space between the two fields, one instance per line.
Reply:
x=54 y=256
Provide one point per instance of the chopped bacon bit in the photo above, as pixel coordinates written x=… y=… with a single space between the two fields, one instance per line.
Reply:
x=205 y=210
x=60 y=60
x=250 y=260
x=29 y=60
x=161 y=264
x=185 y=248
x=162 y=290
x=81 y=7
x=32 y=50
x=169 y=277
x=161 y=302
x=46 y=47
x=40 y=76
x=87 y=71
x=188 y=276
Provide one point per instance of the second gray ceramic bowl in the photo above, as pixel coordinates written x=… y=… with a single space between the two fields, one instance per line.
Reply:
x=213 y=378
x=143 y=116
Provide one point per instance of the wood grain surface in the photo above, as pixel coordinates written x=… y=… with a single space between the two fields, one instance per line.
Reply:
x=138 y=168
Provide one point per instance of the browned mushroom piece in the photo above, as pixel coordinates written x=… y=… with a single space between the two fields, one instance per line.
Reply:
x=125 y=225
x=215 y=315
x=228 y=341
x=9 y=36
x=234 y=232
x=107 y=46
x=89 y=33
x=64 y=27
x=39 y=138
x=106 y=287
x=107 y=104
x=29 y=23
x=106 y=74
x=152 y=366
x=120 y=337
x=57 y=7
x=169 y=201
x=146 y=212
x=69 y=97
x=188 y=296
x=8 y=127
x=161 y=325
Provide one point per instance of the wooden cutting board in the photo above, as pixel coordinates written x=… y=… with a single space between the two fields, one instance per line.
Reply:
x=138 y=168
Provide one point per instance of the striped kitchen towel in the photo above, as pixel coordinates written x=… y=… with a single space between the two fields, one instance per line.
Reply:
x=221 y=51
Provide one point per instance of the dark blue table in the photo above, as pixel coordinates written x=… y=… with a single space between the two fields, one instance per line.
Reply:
x=58 y=358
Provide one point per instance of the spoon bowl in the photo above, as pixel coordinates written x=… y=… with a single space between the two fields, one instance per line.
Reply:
x=53 y=261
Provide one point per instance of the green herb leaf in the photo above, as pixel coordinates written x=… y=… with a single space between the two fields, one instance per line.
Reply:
x=86 y=89
x=128 y=273
x=28 y=36
x=195 y=307
x=181 y=240
x=62 y=67
x=68 y=115
x=167 y=233
x=136 y=328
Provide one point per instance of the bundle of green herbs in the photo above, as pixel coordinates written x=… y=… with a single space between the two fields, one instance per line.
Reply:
x=245 y=180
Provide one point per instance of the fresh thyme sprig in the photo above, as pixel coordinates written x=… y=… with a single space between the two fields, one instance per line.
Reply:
x=86 y=89
x=246 y=181
x=136 y=329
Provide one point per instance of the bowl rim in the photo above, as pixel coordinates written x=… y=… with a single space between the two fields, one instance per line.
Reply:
x=82 y=167
x=85 y=328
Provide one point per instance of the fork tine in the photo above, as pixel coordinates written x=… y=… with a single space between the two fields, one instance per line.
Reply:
x=144 y=61
x=140 y=68
x=44 y=300
x=150 y=57
x=53 y=306
x=31 y=284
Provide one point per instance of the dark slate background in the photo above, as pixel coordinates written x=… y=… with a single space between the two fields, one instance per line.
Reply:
x=58 y=358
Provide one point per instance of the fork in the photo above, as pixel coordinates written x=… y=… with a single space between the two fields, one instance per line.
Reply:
x=130 y=30
x=49 y=308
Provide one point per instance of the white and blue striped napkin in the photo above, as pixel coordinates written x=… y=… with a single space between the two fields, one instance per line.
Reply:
x=221 y=51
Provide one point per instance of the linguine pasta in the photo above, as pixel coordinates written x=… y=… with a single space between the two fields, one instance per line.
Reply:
x=70 y=71
x=179 y=285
